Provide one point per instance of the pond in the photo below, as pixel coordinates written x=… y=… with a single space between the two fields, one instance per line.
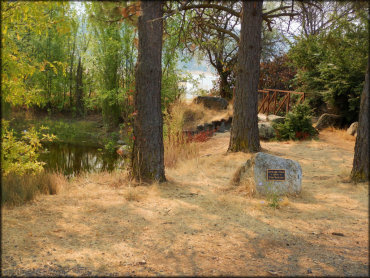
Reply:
x=72 y=159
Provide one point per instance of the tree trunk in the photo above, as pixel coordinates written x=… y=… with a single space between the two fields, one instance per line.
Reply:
x=360 y=170
x=225 y=88
x=79 y=90
x=148 y=150
x=244 y=132
x=71 y=75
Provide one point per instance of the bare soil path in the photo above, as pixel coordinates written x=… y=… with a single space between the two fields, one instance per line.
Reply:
x=196 y=224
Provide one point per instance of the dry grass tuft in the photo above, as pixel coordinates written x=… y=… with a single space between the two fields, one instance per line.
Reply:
x=245 y=185
x=236 y=177
x=176 y=145
x=249 y=186
x=132 y=194
x=340 y=134
x=115 y=179
x=118 y=179
x=57 y=182
x=284 y=202
x=17 y=190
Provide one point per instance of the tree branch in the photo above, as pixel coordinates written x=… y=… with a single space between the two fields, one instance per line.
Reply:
x=231 y=34
x=211 y=6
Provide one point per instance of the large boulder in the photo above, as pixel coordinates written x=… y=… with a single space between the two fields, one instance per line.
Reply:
x=327 y=120
x=216 y=103
x=352 y=130
x=255 y=173
x=275 y=119
x=265 y=130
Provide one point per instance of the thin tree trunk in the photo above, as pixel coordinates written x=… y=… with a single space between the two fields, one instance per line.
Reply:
x=79 y=90
x=225 y=90
x=148 y=150
x=71 y=75
x=244 y=133
x=360 y=170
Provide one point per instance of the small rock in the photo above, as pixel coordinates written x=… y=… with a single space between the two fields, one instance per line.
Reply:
x=352 y=130
x=337 y=234
x=142 y=262
x=222 y=127
x=262 y=118
x=200 y=128
x=266 y=131
x=275 y=119
x=272 y=272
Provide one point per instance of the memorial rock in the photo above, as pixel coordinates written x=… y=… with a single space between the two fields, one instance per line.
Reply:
x=270 y=174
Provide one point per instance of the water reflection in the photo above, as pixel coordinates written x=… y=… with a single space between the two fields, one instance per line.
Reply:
x=71 y=159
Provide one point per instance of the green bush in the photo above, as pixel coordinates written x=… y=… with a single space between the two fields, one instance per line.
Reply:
x=297 y=125
x=110 y=147
x=333 y=64
x=20 y=155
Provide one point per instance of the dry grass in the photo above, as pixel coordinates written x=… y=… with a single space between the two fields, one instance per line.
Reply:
x=17 y=190
x=132 y=194
x=190 y=226
x=174 y=152
x=176 y=145
x=186 y=116
x=197 y=114
x=339 y=134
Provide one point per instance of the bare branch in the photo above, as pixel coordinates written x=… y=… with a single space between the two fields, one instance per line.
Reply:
x=211 y=6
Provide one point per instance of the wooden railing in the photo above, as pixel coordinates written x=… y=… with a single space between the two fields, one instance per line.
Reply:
x=277 y=99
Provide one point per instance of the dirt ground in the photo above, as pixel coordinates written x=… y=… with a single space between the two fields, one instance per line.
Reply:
x=196 y=224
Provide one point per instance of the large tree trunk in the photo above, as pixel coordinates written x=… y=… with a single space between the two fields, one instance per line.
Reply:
x=244 y=132
x=147 y=155
x=79 y=90
x=360 y=170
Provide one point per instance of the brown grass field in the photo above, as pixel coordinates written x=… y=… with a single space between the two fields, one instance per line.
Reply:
x=196 y=223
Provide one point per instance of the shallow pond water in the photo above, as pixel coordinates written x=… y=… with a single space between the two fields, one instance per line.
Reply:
x=72 y=159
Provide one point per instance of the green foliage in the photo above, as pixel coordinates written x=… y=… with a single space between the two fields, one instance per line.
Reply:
x=274 y=201
x=171 y=75
x=111 y=142
x=112 y=63
x=19 y=156
x=297 y=124
x=30 y=59
x=110 y=147
x=333 y=64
